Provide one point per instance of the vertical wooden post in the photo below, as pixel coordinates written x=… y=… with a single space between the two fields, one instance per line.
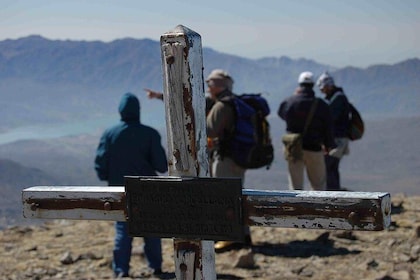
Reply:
x=184 y=98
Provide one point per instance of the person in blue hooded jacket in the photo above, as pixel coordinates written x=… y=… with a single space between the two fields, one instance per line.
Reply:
x=130 y=148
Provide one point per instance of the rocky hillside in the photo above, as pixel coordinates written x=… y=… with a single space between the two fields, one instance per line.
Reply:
x=83 y=249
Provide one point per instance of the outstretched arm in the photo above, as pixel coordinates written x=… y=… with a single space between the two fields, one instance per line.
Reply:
x=158 y=95
x=153 y=94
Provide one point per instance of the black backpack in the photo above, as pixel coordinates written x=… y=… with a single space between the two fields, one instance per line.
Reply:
x=356 y=124
x=250 y=143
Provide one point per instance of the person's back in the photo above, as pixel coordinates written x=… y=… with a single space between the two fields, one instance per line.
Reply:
x=130 y=148
x=295 y=110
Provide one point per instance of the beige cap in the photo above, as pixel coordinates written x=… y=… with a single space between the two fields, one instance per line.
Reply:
x=220 y=78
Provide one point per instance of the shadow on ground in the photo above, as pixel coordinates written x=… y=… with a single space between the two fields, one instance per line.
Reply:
x=321 y=247
x=228 y=277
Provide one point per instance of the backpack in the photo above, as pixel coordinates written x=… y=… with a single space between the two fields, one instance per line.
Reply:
x=249 y=145
x=356 y=124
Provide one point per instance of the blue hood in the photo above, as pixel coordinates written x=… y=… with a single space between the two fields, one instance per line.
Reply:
x=129 y=108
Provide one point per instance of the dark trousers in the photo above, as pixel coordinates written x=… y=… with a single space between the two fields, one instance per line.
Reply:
x=122 y=250
x=333 y=174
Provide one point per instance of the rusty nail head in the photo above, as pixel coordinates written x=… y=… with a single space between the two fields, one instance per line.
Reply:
x=107 y=206
x=183 y=267
x=34 y=206
x=354 y=218
x=170 y=59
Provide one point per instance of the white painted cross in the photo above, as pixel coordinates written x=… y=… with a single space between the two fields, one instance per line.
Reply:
x=193 y=202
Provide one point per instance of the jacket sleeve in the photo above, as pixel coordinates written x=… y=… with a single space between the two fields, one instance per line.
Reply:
x=281 y=112
x=220 y=120
x=328 y=121
x=339 y=107
x=102 y=159
x=158 y=155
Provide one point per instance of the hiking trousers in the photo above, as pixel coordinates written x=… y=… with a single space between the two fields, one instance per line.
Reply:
x=122 y=250
x=226 y=167
x=332 y=162
x=333 y=173
x=314 y=164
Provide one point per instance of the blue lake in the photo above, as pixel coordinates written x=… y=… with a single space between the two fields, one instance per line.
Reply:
x=45 y=131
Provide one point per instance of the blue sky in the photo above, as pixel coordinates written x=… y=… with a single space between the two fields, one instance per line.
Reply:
x=336 y=32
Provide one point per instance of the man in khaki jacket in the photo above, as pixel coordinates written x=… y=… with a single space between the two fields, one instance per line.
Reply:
x=220 y=126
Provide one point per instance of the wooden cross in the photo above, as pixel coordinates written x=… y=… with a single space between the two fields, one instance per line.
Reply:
x=187 y=205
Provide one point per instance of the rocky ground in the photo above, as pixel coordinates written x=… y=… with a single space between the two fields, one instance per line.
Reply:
x=82 y=250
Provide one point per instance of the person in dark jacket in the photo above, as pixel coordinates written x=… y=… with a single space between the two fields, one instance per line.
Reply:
x=340 y=109
x=319 y=136
x=130 y=148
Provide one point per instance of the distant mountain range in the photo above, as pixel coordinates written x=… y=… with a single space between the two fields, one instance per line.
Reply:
x=45 y=81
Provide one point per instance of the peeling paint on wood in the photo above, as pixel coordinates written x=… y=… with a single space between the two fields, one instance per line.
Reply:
x=184 y=102
x=321 y=210
x=294 y=209
x=78 y=203
x=186 y=133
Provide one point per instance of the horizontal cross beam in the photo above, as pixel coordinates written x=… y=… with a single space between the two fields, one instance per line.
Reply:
x=292 y=209
x=318 y=209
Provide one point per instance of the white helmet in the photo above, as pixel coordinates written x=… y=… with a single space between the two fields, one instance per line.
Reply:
x=325 y=80
x=306 y=78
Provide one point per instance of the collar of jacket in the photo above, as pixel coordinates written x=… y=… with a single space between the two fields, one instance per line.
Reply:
x=223 y=94
x=336 y=91
x=305 y=91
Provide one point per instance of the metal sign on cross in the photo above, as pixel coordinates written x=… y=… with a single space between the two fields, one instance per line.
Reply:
x=187 y=205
